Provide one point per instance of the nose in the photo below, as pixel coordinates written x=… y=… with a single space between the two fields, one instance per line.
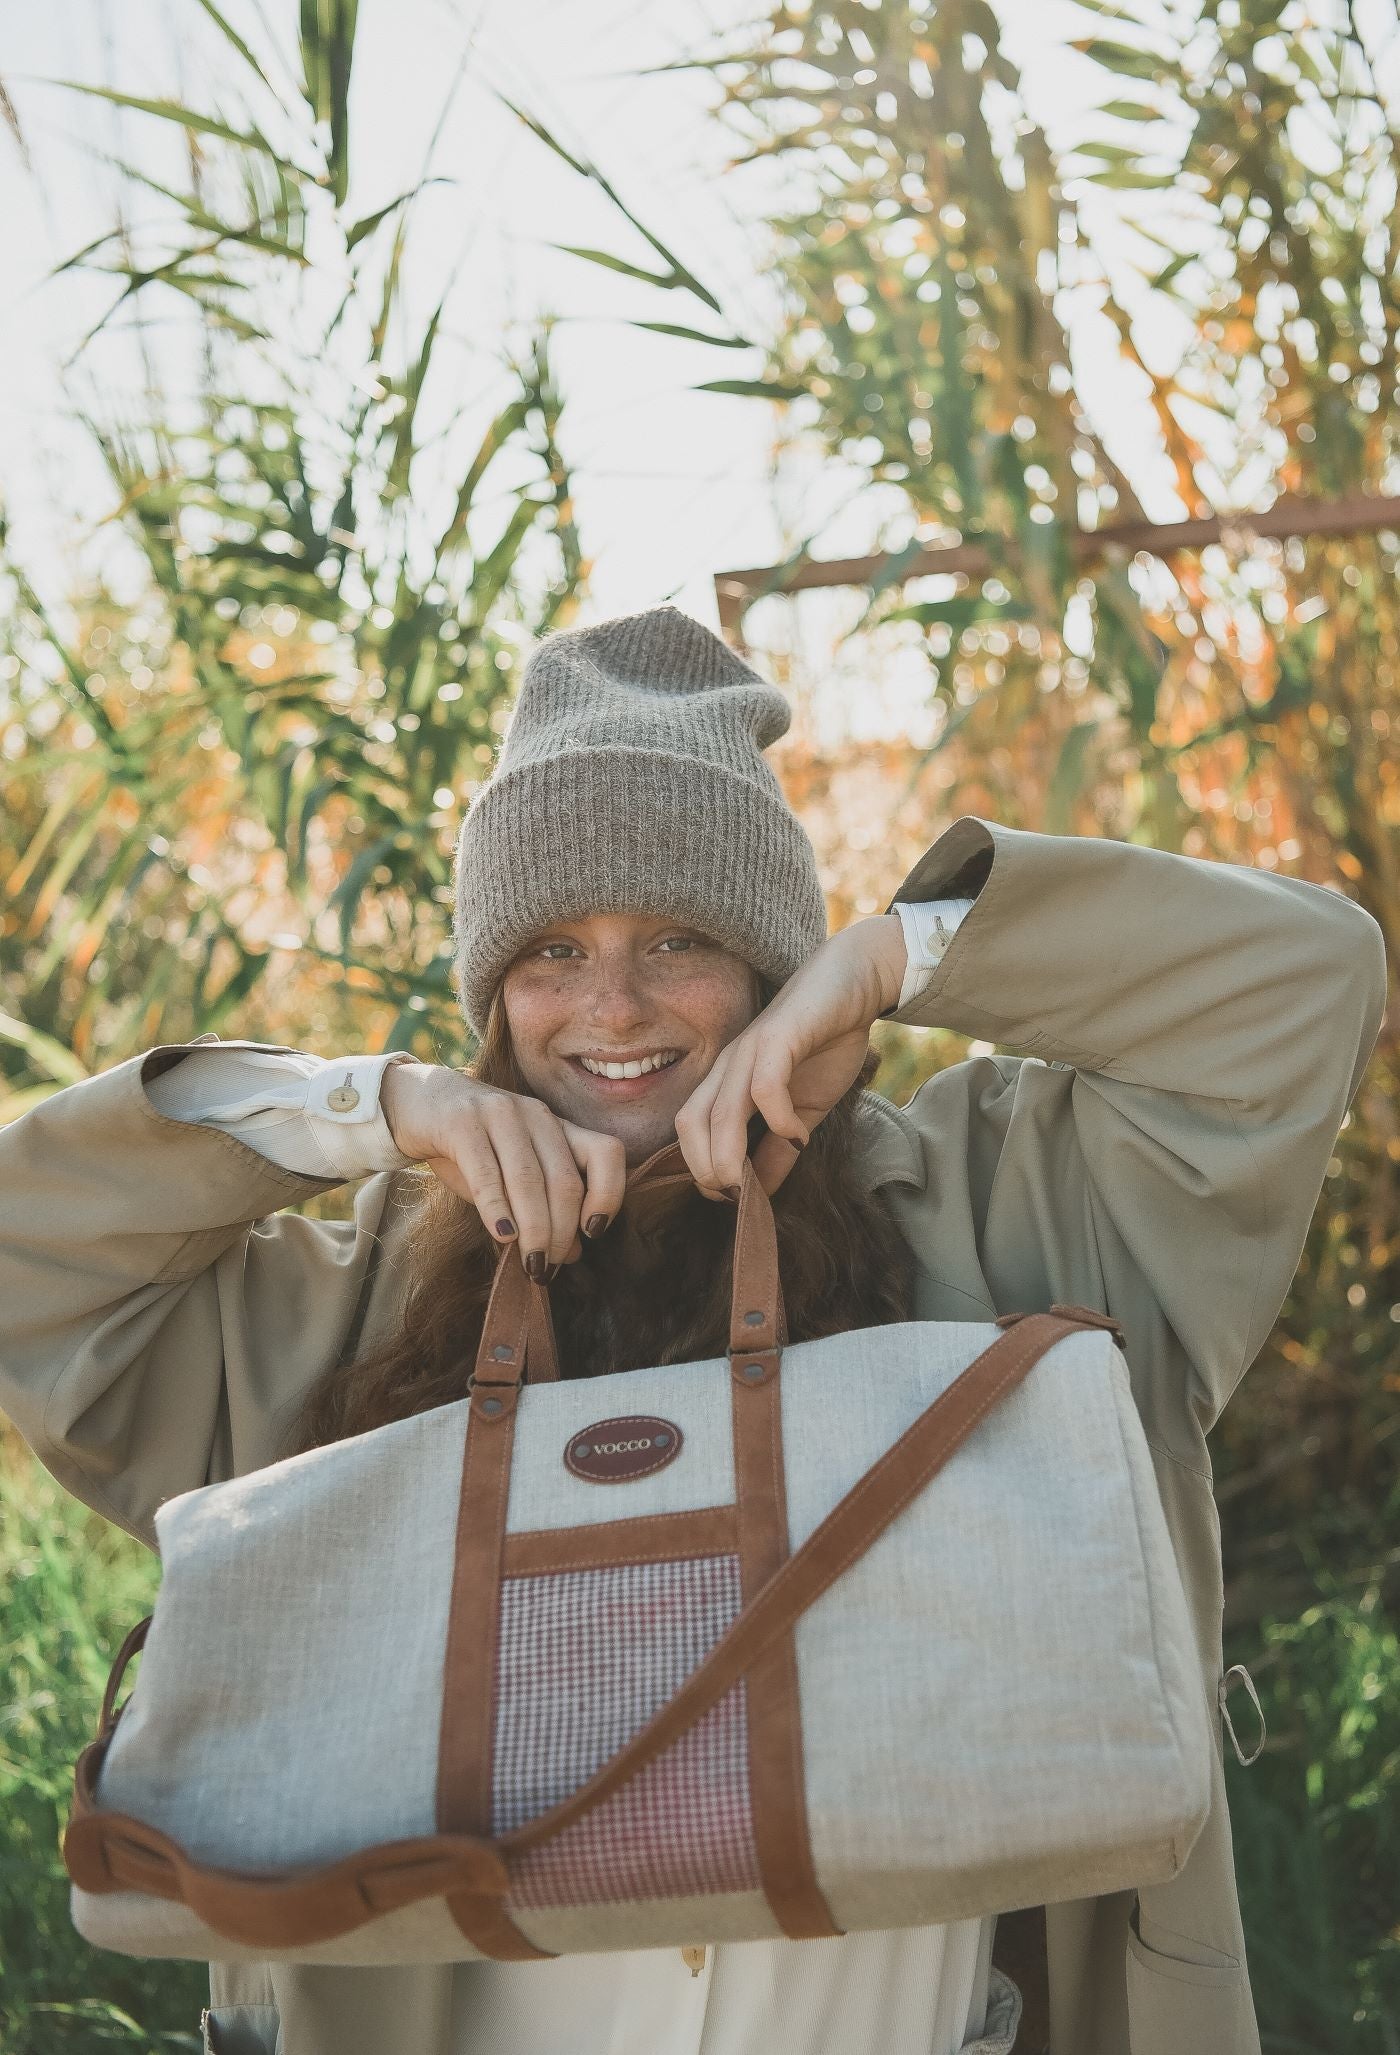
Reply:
x=618 y=996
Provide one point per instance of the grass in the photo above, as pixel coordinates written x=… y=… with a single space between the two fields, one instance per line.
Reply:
x=70 y=1586
x=1316 y=1826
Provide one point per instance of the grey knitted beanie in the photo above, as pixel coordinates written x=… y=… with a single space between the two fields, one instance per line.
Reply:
x=632 y=780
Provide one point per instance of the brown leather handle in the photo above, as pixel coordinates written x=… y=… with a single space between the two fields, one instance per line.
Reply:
x=134 y=1640
x=107 y=1851
x=518 y=1324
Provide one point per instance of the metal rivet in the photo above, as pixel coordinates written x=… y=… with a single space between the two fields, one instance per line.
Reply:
x=503 y=1352
x=663 y=1441
x=491 y=1406
x=753 y=1319
x=753 y=1369
x=584 y=1451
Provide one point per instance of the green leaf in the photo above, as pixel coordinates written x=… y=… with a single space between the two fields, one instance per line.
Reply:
x=345 y=900
x=1127 y=60
x=1163 y=278
x=506 y=423
x=327 y=54
x=614 y=263
x=1131 y=110
x=370 y=222
x=236 y=40
x=677 y=273
x=1120 y=180
x=1067 y=780
x=186 y=117
x=1107 y=153
x=725 y=342
x=45 y=1054
x=963 y=610
x=753 y=388
x=14 y=1104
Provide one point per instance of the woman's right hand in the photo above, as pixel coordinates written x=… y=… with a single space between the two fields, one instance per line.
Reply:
x=530 y=1175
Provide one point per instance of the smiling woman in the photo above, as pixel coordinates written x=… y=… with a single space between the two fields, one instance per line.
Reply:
x=586 y=965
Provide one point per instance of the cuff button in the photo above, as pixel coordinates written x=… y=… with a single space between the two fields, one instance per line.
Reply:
x=344 y=1099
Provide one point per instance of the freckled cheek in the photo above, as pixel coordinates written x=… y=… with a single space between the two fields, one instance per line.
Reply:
x=536 y=1012
x=702 y=1002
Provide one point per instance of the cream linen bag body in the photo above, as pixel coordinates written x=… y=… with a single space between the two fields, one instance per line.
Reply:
x=880 y=1630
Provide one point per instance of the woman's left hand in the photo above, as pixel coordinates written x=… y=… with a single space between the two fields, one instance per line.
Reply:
x=794 y=1060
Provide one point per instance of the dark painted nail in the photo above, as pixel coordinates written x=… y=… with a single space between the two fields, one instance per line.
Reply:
x=596 y=1223
x=735 y=1191
x=552 y=1272
x=505 y=1227
x=534 y=1263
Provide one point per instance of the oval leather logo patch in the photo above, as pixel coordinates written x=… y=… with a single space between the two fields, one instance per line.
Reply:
x=616 y=1451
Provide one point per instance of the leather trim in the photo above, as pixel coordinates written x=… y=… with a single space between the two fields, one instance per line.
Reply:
x=777 y=1781
x=649 y=1538
x=466 y=1735
x=543 y=1354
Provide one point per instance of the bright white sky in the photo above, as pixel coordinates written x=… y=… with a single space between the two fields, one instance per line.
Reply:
x=671 y=485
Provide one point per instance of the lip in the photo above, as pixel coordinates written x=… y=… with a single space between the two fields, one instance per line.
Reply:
x=624 y=1087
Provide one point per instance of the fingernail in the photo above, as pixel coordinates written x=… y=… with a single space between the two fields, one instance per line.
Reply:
x=735 y=1191
x=534 y=1264
x=551 y=1273
x=505 y=1227
x=595 y=1225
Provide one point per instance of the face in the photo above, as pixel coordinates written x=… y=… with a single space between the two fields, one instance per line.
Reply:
x=616 y=987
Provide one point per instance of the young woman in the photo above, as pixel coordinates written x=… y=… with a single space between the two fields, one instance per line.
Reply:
x=633 y=893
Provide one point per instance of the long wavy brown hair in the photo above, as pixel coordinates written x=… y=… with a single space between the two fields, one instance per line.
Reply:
x=654 y=1288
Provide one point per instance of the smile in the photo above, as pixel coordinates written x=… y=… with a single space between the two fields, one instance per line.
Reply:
x=632 y=1070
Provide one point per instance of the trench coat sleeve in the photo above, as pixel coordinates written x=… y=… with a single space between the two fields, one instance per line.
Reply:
x=1205 y=1026
x=159 y=1315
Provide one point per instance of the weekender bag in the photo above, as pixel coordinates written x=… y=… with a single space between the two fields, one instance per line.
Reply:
x=880 y=1630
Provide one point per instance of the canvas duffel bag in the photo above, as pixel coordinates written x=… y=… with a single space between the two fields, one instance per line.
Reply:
x=879 y=1630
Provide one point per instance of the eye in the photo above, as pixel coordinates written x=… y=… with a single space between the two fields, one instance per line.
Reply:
x=553 y=945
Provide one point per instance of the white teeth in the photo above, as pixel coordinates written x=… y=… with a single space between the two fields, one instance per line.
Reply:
x=636 y=1068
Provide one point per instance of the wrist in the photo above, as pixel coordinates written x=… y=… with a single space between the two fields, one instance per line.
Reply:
x=400 y=1097
x=891 y=959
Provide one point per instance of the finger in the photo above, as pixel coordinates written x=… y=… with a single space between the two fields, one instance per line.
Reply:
x=729 y=1119
x=770 y=1086
x=693 y=1123
x=473 y=1171
x=527 y=1195
x=563 y=1186
x=602 y=1161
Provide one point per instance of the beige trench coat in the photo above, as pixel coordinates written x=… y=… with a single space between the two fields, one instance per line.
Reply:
x=1189 y=1035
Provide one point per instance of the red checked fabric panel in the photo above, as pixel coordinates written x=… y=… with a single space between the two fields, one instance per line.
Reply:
x=586 y=1658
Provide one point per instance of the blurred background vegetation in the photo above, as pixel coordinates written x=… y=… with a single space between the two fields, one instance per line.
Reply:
x=231 y=803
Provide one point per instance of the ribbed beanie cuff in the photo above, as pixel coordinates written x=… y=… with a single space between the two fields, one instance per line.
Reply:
x=632 y=780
